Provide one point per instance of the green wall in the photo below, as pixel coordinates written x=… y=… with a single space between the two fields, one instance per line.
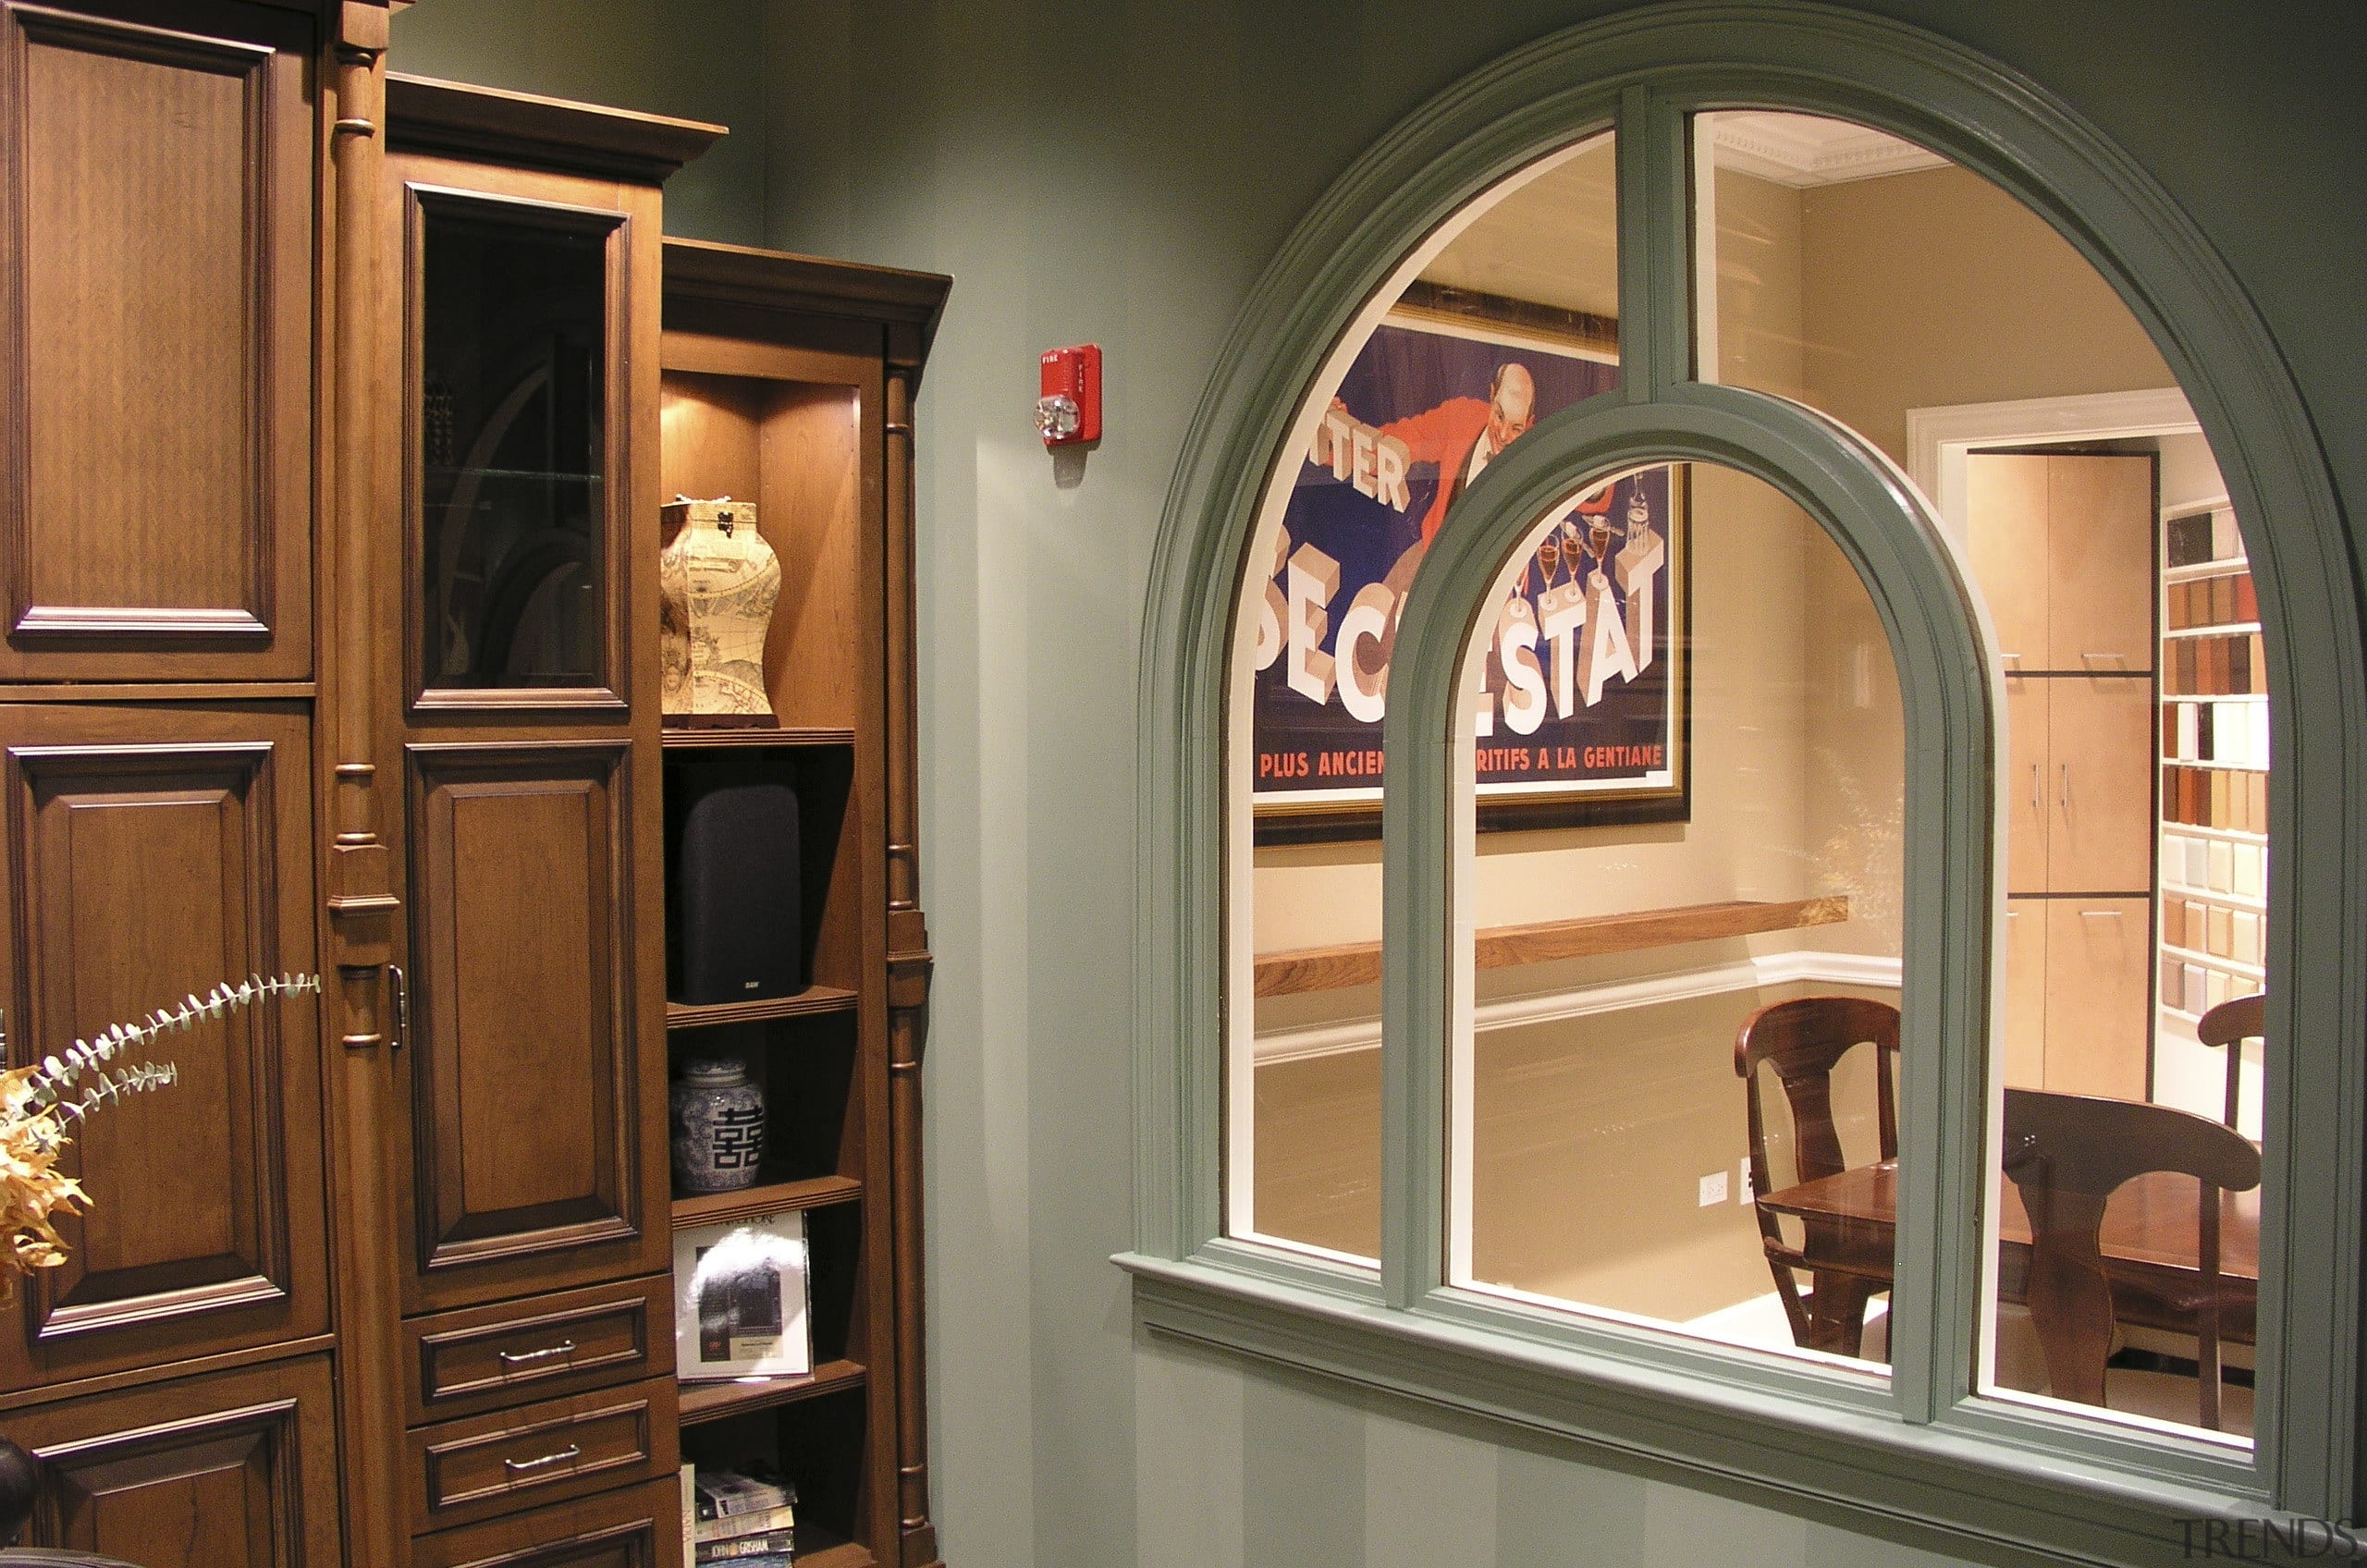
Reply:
x=693 y=59
x=1120 y=173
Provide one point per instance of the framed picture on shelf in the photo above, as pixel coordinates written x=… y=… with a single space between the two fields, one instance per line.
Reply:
x=1582 y=717
x=740 y=1299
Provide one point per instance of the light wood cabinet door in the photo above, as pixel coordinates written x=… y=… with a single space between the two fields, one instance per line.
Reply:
x=2102 y=733
x=157 y=850
x=237 y=1470
x=2024 y=783
x=2005 y=533
x=155 y=346
x=2099 y=959
x=2100 y=561
x=2026 y=987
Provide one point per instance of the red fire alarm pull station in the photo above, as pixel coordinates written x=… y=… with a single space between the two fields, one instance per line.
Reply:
x=1067 y=409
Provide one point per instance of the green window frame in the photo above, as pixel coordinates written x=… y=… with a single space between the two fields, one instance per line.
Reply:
x=1920 y=1456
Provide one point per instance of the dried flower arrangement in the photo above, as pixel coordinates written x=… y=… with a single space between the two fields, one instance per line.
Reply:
x=37 y=1104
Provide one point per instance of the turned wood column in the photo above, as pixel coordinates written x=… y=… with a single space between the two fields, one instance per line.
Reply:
x=908 y=977
x=362 y=902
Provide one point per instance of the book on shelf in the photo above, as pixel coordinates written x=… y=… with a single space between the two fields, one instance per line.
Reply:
x=689 y=1510
x=734 y=1525
x=772 y=1543
x=724 y=1496
x=740 y=1299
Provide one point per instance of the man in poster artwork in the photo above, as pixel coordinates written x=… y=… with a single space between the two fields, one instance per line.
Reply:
x=1461 y=436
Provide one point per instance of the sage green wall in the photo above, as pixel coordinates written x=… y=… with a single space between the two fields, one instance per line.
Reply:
x=693 y=59
x=1119 y=172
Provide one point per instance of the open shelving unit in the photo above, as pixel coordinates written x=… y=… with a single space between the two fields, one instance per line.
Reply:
x=778 y=385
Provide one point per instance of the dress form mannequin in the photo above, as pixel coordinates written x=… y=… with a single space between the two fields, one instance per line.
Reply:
x=719 y=581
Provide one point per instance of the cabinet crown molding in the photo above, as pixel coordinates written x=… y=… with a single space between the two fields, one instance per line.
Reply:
x=425 y=115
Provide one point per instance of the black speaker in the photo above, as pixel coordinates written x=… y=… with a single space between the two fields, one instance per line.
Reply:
x=737 y=896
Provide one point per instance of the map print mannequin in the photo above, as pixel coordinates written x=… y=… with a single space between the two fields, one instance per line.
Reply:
x=718 y=581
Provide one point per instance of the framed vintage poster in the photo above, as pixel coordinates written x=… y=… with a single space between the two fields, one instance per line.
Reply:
x=1585 y=716
x=739 y=1295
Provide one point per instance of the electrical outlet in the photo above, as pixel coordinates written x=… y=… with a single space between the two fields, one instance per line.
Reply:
x=1742 y=1184
x=1713 y=1188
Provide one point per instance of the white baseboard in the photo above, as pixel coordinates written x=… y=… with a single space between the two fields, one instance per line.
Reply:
x=1550 y=1007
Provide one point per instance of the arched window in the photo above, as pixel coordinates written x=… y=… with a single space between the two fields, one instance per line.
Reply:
x=1653 y=898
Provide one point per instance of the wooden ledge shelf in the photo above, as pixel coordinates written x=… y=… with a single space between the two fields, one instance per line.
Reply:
x=701 y=1403
x=771 y=1197
x=715 y=740
x=1502 y=947
x=813 y=999
x=830 y=1552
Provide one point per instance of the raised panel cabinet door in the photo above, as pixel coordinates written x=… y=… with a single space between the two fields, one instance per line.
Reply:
x=2099 y=980
x=537 y=1157
x=237 y=1470
x=2025 y=1035
x=2005 y=533
x=155 y=346
x=2025 y=783
x=154 y=852
x=636 y=1528
x=2102 y=731
x=2100 y=557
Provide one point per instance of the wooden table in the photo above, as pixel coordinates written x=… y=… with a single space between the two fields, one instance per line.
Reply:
x=2149 y=1240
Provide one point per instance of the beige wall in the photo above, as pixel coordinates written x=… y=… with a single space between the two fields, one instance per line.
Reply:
x=1936 y=287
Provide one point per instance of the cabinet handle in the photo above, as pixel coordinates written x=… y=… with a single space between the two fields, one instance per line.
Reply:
x=2117 y=658
x=528 y=1357
x=520 y=1467
x=2037 y=801
x=2099 y=915
x=401 y=993
x=2066 y=786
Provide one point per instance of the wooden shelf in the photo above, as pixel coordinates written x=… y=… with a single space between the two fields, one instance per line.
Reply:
x=830 y=1551
x=701 y=1403
x=813 y=999
x=715 y=740
x=770 y=1197
x=1502 y=947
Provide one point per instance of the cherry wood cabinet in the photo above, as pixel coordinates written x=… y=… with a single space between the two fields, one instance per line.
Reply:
x=235 y=1470
x=156 y=344
x=331 y=463
x=155 y=848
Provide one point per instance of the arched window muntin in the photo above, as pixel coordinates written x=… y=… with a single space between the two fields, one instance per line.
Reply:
x=1643 y=72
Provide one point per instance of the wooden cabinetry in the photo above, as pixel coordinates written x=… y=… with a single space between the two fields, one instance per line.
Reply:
x=385 y=1278
x=235 y=1470
x=2062 y=546
x=787 y=381
x=155 y=345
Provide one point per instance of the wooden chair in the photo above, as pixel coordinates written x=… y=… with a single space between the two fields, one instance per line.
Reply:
x=2227 y=1026
x=1802 y=1041
x=2068 y=1154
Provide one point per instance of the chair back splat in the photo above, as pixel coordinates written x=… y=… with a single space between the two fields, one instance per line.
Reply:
x=2068 y=1154
x=1801 y=1042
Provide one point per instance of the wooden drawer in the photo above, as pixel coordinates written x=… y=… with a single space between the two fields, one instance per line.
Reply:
x=640 y=1528
x=467 y=1470
x=485 y=1359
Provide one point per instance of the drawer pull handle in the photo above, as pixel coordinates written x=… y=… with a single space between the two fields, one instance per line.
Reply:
x=520 y=1467
x=528 y=1357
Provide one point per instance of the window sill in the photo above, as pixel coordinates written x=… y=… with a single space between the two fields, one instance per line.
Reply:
x=1980 y=1486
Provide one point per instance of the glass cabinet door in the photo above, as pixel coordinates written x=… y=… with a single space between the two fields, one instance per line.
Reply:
x=514 y=423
